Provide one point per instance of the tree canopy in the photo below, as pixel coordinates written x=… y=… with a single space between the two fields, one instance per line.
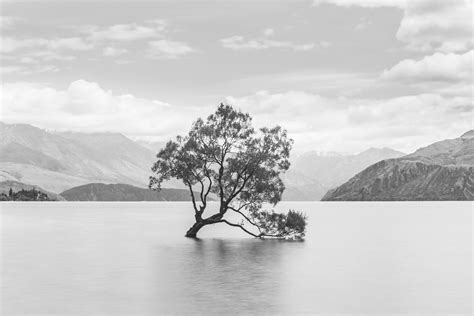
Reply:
x=226 y=157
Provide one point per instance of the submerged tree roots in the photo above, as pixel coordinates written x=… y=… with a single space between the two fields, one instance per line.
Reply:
x=289 y=226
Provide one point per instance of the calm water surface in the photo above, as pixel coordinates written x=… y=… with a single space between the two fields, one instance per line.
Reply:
x=132 y=259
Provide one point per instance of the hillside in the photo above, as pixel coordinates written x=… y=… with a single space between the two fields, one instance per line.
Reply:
x=122 y=192
x=58 y=161
x=16 y=186
x=440 y=171
x=299 y=187
x=313 y=174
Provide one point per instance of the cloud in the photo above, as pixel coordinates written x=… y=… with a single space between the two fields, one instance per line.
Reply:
x=84 y=97
x=349 y=124
x=241 y=43
x=364 y=3
x=26 y=56
x=107 y=41
x=168 y=49
x=35 y=62
x=315 y=122
x=427 y=25
x=28 y=67
x=113 y=52
x=268 y=32
x=364 y=23
x=447 y=74
x=10 y=69
x=10 y=44
x=437 y=25
x=71 y=43
x=125 y=32
x=325 y=83
x=154 y=31
x=438 y=67
x=8 y=22
x=49 y=55
x=325 y=44
x=87 y=107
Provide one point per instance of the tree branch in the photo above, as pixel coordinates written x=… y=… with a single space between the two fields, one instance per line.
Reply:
x=192 y=198
x=241 y=227
x=209 y=187
x=240 y=189
x=246 y=217
x=202 y=193
x=249 y=232
x=221 y=189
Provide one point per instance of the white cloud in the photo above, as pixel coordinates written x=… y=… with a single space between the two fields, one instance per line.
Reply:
x=113 y=52
x=8 y=22
x=427 y=25
x=35 y=61
x=85 y=106
x=72 y=43
x=321 y=82
x=168 y=49
x=363 y=24
x=10 y=44
x=28 y=66
x=447 y=74
x=439 y=25
x=241 y=43
x=364 y=3
x=434 y=68
x=26 y=56
x=125 y=32
x=153 y=31
x=348 y=124
x=10 y=69
x=304 y=47
x=84 y=97
x=49 y=55
x=44 y=68
x=28 y=60
x=325 y=44
x=268 y=32
x=315 y=122
x=100 y=40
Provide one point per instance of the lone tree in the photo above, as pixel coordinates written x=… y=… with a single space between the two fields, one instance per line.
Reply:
x=225 y=156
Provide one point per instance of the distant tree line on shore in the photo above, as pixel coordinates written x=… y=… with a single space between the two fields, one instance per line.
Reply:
x=24 y=195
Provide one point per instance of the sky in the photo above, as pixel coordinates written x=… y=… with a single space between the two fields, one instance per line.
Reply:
x=339 y=75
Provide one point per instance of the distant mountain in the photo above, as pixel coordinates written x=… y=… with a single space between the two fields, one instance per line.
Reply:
x=468 y=134
x=299 y=187
x=16 y=186
x=15 y=152
x=313 y=174
x=440 y=171
x=58 y=161
x=155 y=147
x=122 y=192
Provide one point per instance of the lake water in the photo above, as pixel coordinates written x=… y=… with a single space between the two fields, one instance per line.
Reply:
x=132 y=259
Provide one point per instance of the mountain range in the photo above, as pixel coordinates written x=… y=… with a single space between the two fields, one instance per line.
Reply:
x=16 y=186
x=440 y=171
x=313 y=174
x=87 y=163
x=59 y=161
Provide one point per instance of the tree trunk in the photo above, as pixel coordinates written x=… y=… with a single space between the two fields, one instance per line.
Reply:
x=194 y=229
